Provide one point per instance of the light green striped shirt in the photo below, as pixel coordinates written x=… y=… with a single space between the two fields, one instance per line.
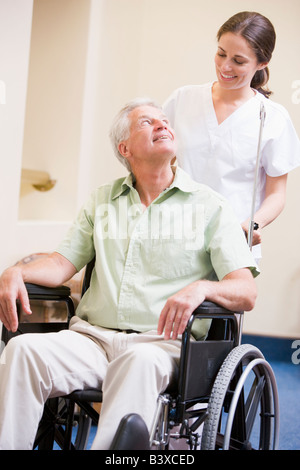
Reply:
x=143 y=256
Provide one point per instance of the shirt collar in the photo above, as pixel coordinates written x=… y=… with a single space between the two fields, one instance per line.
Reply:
x=181 y=181
x=123 y=186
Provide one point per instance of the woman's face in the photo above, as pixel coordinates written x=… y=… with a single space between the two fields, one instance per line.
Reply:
x=235 y=62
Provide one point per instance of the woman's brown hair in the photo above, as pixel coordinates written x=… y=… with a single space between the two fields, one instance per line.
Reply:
x=260 y=34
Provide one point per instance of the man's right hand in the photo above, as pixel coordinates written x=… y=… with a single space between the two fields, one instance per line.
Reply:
x=51 y=271
x=12 y=288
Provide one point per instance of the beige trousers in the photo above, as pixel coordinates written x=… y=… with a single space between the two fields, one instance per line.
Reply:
x=132 y=369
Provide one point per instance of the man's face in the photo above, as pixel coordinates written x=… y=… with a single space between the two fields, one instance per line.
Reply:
x=151 y=138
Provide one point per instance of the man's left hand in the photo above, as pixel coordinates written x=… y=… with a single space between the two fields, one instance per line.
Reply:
x=178 y=309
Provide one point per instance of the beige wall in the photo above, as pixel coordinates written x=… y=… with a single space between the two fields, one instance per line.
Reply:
x=54 y=106
x=15 y=30
x=87 y=58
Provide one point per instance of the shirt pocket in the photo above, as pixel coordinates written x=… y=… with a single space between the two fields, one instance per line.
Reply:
x=171 y=259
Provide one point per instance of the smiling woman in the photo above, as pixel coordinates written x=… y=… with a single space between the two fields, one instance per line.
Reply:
x=217 y=125
x=259 y=35
x=236 y=65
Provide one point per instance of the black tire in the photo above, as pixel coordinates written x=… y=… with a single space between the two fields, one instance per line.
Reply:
x=233 y=401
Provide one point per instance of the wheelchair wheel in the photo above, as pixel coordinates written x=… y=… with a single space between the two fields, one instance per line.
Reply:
x=53 y=431
x=83 y=431
x=243 y=411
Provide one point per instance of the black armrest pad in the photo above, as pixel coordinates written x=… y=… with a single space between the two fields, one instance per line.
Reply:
x=37 y=291
x=210 y=307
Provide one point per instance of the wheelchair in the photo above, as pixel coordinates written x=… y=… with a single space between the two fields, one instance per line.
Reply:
x=225 y=397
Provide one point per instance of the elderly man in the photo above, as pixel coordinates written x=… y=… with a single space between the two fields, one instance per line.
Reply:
x=163 y=244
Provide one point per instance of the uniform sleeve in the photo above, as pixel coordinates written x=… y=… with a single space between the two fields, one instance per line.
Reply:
x=78 y=245
x=281 y=153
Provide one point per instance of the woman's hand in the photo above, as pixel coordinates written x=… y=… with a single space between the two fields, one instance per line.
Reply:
x=256 y=236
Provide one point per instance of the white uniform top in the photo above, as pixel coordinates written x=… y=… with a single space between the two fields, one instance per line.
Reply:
x=224 y=156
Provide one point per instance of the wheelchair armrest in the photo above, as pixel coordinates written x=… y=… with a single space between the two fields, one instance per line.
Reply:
x=207 y=308
x=212 y=311
x=60 y=293
x=36 y=291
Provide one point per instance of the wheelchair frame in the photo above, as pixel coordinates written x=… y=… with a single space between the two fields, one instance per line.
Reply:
x=230 y=405
x=213 y=406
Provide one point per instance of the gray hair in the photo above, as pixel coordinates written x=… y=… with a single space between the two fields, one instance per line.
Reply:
x=120 y=128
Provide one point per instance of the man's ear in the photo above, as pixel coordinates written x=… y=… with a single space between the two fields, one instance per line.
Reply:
x=123 y=149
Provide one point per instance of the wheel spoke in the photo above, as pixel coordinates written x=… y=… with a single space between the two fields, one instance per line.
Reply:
x=252 y=404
